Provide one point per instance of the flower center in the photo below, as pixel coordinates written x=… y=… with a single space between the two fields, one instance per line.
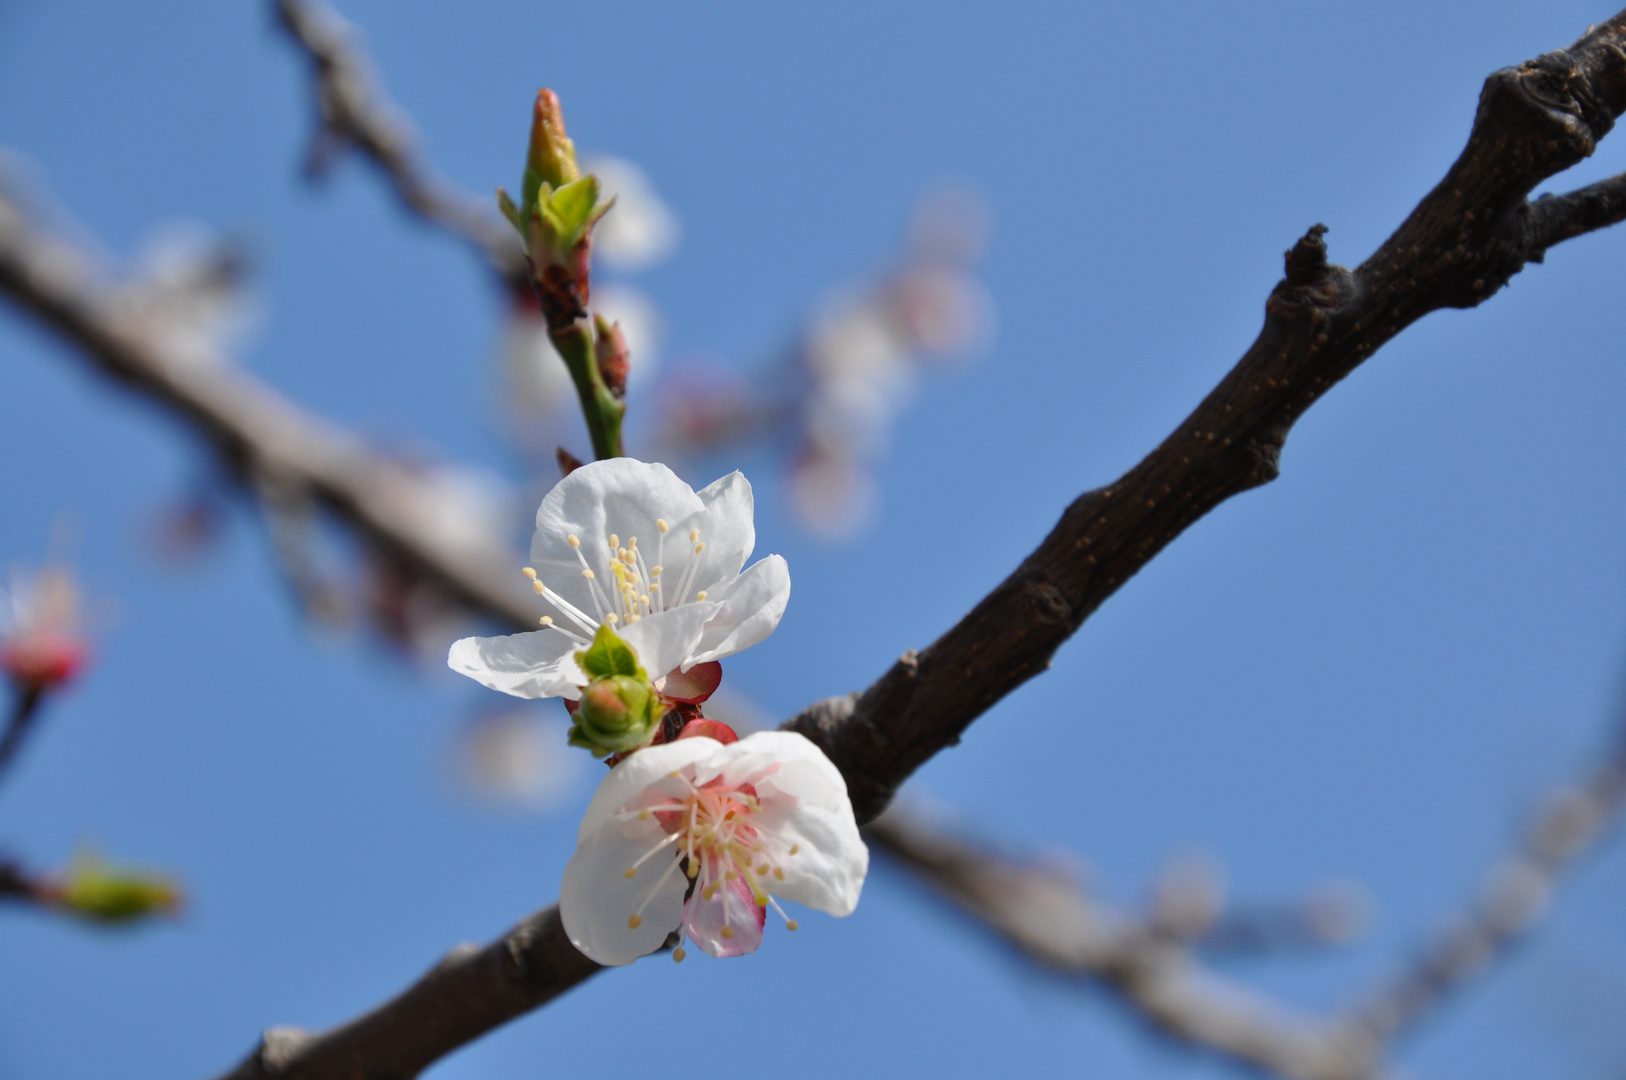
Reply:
x=720 y=839
x=629 y=590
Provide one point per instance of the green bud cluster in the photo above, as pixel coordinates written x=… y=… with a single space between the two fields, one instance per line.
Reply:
x=558 y=206
x=619 y=708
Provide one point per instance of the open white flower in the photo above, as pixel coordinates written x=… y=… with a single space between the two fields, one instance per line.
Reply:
x=627 y=544
x=762 y=817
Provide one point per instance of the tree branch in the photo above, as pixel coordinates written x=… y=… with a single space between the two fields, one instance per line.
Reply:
x=25 y=709
x=1512 y=900
x=352 y=112
x=471 y=991
x=1463 y=242
x=1052 y=922
x=253 y=428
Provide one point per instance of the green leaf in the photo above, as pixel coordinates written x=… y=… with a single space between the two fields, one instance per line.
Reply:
x=510 y=211
x=574 y=203
x=609 y=656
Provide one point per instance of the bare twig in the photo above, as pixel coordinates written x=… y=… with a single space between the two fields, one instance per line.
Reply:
x=25 y=709
x=1054 y=923
x=15 y=884
x=352 y=111
x=1512 y=900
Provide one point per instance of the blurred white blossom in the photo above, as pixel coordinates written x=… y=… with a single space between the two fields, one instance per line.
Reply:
x=520 y=758
x=640 y=230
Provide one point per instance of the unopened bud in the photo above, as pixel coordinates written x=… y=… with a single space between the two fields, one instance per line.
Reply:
x=42 y=646
x=102 y=893
x=619 y=712
x=551 y=156
x=610 y=346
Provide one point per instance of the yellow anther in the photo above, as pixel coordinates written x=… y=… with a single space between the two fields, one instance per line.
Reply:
x=573 y=541
x=654 y=571
x=644 y=600
x=708 y=892
x=698 y=548
x=547 y=620
x=612 y=620
x=792 y=924
x=632 y=872
x=794 y=848
x=528 y=571
x=694 y=534
x=632 y=542
x=692 y=868
x=678 y=954
x=778 y=873
x=615 y=541
x=587 y=573
x=538 y=588
x=643 y=815
x=701 y=595
x=660 y=523
x=728 y=932
x=634 y=922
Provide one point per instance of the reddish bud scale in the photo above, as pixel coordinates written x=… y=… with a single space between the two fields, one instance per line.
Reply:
x=43 y=661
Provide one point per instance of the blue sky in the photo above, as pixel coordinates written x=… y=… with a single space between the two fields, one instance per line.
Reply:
x=1369 y=670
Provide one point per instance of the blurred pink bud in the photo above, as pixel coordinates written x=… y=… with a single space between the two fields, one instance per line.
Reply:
x=41 y=644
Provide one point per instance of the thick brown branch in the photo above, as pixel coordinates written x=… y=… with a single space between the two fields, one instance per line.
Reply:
x=352 y=112
x=1462 y=243
x=467 y=994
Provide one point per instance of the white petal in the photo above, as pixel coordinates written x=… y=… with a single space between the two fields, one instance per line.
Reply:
x=619 y=496
x=805 y=803
x=733 y=533
x=645 y=779
x=751 y=607
x=827 y=872
x=534 y=665
x=668 y=639
x=597 y=900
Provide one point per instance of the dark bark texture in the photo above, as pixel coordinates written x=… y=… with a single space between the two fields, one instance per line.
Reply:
x=1463 y=242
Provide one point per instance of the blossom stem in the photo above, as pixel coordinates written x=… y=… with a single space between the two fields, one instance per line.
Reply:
x=23 y=713
x=600 y=408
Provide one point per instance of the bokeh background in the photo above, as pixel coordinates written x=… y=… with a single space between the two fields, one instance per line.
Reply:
x=1368 y=671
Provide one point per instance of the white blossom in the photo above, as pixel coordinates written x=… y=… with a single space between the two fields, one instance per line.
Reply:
x=767 y=816
x=627 y=544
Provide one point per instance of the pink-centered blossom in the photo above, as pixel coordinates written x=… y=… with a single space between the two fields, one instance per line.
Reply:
x=703 y=836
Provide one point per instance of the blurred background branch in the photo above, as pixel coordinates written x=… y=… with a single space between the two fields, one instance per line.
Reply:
x=352 y=112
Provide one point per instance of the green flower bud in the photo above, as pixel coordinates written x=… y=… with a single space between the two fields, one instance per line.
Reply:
x=551 y=157
x=619 y=708
x=95 y=890
x=618 y=712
